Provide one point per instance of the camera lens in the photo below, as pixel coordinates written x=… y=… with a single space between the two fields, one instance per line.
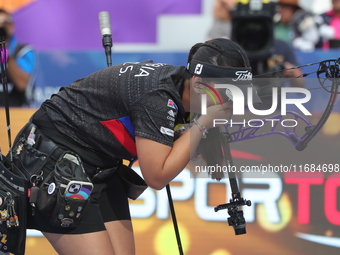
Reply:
x=253 y=29
x=253 y=34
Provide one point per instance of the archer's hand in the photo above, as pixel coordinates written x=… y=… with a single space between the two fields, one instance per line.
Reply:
x=223 y=111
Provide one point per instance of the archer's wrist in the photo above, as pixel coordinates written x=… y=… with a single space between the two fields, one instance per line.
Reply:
x=205 y=121
x=201 y=127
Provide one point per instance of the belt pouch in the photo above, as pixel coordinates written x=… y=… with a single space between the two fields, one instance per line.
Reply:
x=65 y=192
x=32 y=151
x=134 y=184
x=13 y=208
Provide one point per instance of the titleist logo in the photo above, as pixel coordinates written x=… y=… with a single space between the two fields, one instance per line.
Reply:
x=243 y=76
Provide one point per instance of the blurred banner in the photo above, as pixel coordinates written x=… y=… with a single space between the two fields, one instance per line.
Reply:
x=73 y=25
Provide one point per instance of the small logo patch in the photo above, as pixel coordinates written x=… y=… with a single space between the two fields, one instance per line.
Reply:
x=198 y=69
x=167 y=131
x=172 y=113
x=51 y=188
x=170 y=118
x=172 y=104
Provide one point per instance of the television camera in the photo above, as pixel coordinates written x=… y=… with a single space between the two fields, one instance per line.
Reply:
x=253 y=29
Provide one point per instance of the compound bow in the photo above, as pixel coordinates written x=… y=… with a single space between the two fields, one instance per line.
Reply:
x=327 y=70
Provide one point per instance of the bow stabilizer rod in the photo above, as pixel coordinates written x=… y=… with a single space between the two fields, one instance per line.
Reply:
x=236 y=219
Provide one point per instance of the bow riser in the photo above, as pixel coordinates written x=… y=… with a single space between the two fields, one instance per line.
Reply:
x=243 y=133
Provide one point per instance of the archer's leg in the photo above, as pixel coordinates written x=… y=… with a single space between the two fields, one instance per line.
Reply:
x=85 y=244
x=121 y=235
x=114 y=208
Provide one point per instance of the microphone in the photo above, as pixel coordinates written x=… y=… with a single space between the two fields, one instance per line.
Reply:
x=105 y=29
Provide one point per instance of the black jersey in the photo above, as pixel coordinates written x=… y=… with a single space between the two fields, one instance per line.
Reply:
x=107 y=109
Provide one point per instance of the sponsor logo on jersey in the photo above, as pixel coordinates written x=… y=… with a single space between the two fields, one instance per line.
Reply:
x=172 y=104
x=172 y=113
x=167 y=131
x=170 y=118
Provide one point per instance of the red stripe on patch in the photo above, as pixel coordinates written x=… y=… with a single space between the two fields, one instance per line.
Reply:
x=117 y=128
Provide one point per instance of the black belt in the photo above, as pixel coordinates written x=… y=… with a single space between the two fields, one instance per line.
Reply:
x=55 y=151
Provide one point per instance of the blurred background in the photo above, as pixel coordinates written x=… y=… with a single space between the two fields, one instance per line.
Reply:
x=289 y=215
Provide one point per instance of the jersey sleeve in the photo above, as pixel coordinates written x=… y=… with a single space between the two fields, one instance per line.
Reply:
x=153 y=117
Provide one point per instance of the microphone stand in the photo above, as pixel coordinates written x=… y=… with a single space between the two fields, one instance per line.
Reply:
x=107 y=44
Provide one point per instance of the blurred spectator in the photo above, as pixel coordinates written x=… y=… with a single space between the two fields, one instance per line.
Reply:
x=284 y=58
x=296 y=26
x=330 y=27
x=222 y=19
x=20 y=67
x=285 y=55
